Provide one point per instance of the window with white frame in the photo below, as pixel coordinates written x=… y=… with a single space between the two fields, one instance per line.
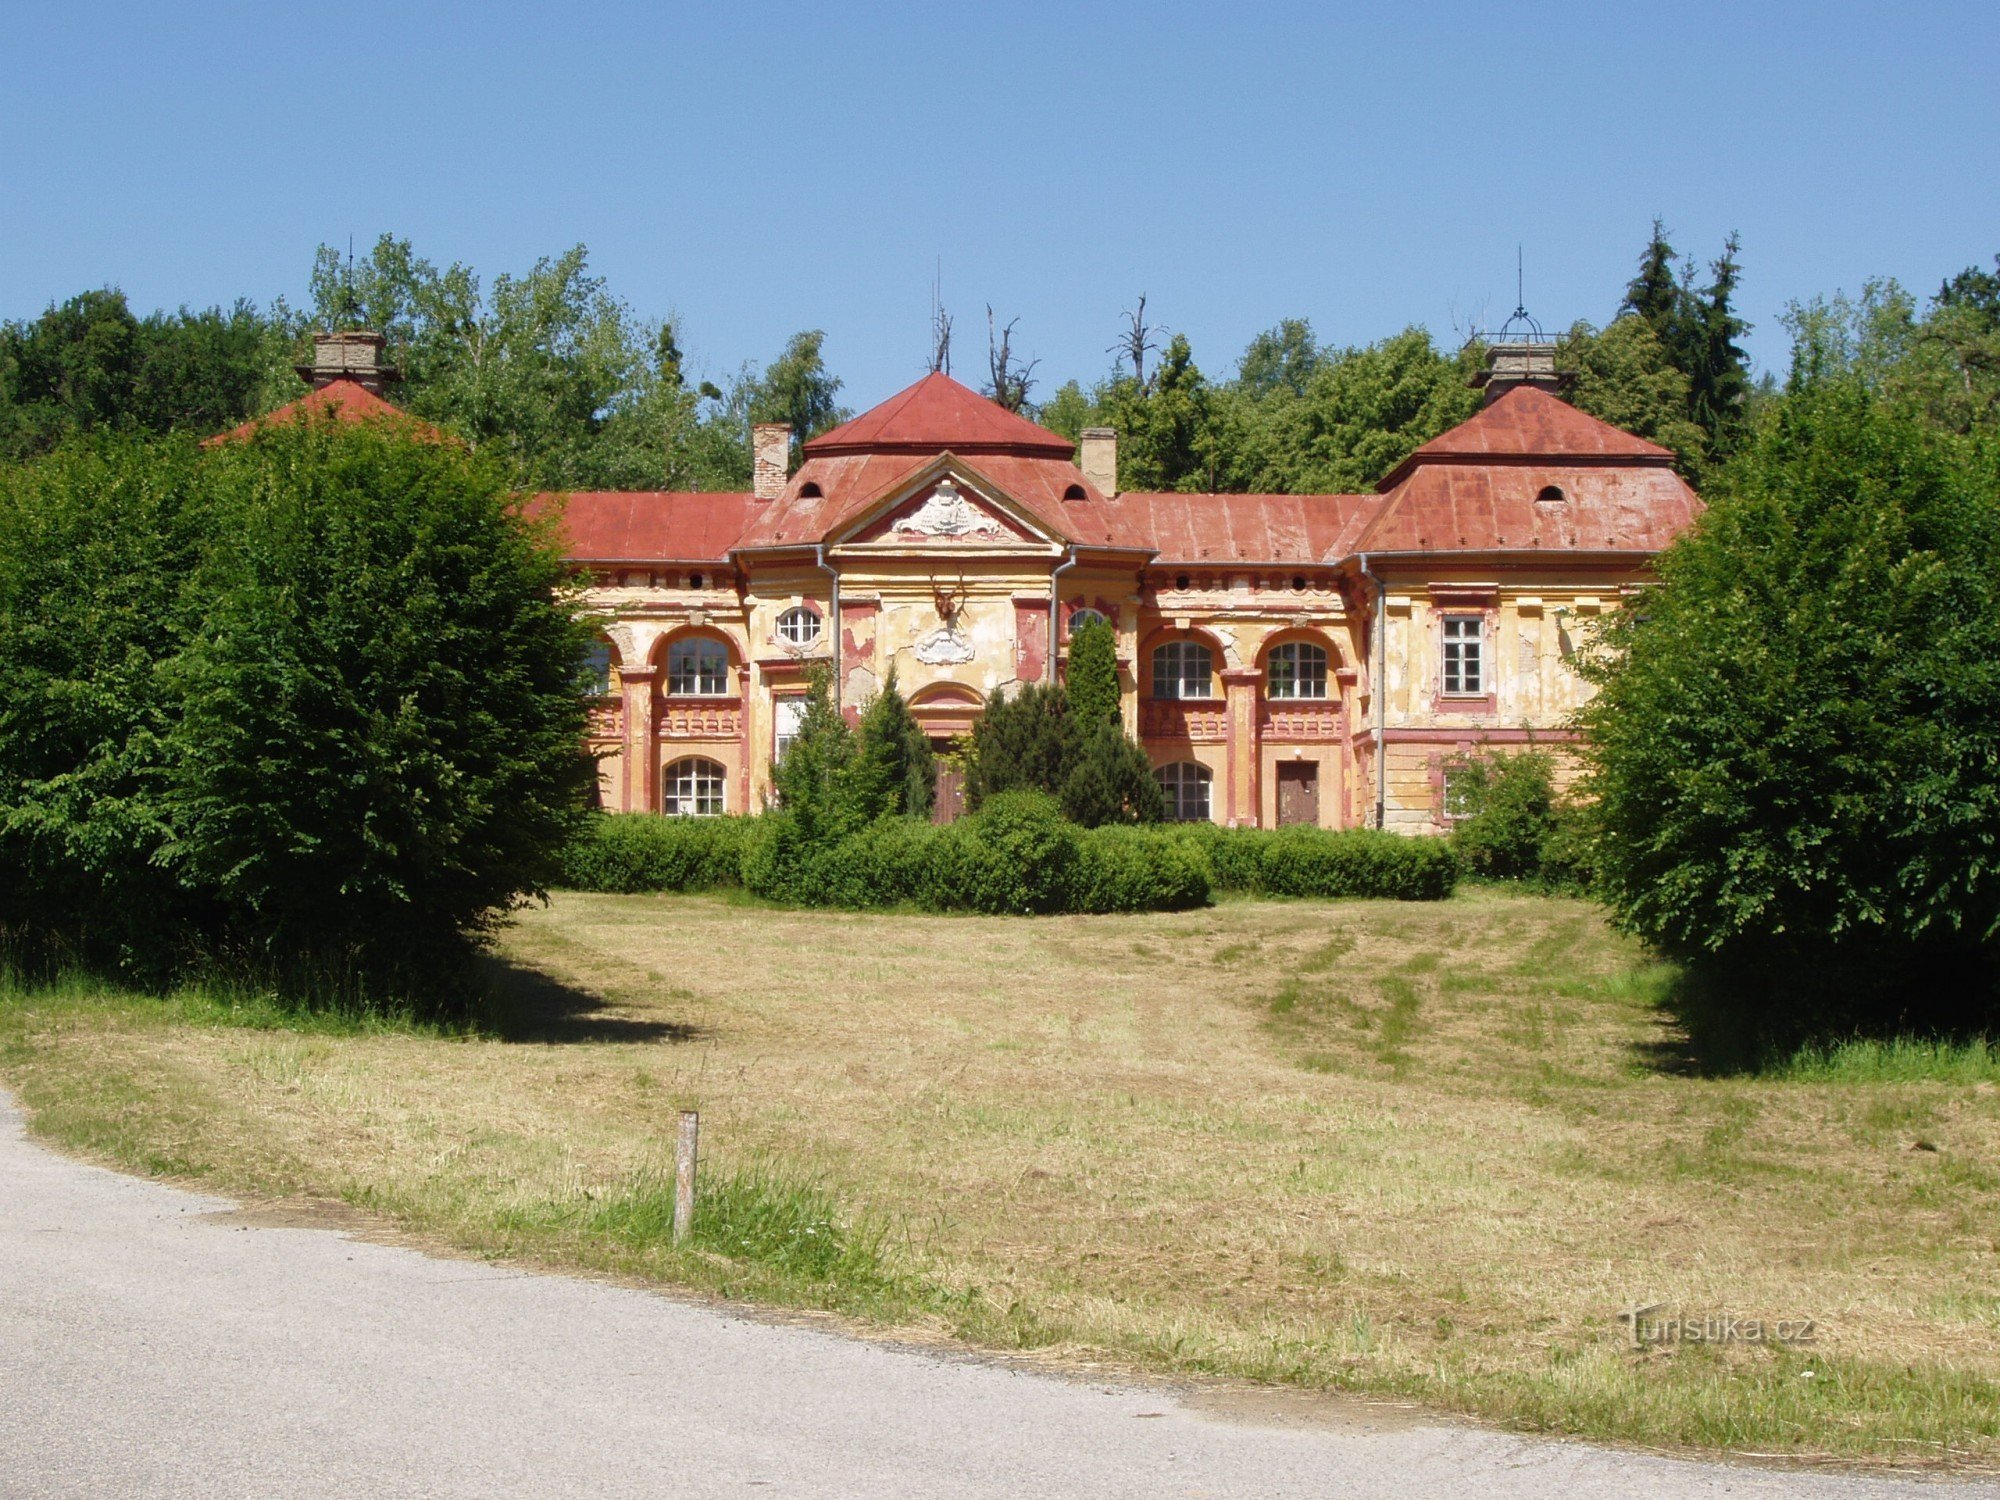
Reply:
x=697 y=668
x=1297 y=670
x=694 y=789
x=787 y=716
x=1186 y=787
x=1183 y=669
x=798 y=626
x=1464 y=656
x=595 y=669
x=1083 y=617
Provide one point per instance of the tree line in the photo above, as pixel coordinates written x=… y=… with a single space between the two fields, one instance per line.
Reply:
x=560 y=378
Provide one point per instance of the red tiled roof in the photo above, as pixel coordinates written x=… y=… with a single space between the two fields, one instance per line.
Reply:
x=1477 y=487
x=935 y=414
x=1527 y=422
x=852 y=483
x=1445 y=507
x=649 y=525
x=1206 y=528
x=342 y=400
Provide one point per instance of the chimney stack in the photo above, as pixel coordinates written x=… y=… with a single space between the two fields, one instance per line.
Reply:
x=1520 y=362
x=770 y=459
x=355 y=354
x=1098 y=458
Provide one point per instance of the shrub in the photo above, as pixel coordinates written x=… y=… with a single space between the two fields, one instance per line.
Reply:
x=1137 y=869
x=1015 y=855
x=887 y=863
x=626 y=852
x=1324 y=863
x=1509 y=814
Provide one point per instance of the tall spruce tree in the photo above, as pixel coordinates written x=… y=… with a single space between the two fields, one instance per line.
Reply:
x=895 y=770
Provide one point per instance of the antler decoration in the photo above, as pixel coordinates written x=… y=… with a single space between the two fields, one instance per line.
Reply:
x=950 y=600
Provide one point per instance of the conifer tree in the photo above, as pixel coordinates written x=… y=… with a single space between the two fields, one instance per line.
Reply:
x=895 y=770
x=814 y=776
x=1092 y=680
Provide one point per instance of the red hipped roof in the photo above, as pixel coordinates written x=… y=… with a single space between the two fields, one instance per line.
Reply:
x=935 y=414
x=341 y=400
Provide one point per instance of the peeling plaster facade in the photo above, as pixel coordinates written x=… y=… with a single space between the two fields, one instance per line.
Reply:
x=944 y=537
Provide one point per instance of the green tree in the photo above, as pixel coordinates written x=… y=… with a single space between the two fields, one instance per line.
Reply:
x=1107 y=777
x=1092 y=677
x=895 y=768
x=359 y=787
x=1167 y=436
x=1795 y=742
x=1941 y=363
x=1282 y=358
x=1024 y=743
x=814 y=777
x=548 y=369
x=1362 y=412
x=1698 y=329
x=797 y=389
x=1623 y=375
x=1110 y=780
x=99 y=542
x=90 y=365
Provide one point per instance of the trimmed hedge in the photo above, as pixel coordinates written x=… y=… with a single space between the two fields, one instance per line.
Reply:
x=1017 y=854
x=627 y=853
x=1325 y=863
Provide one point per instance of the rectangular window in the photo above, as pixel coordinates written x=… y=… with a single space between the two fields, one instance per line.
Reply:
x=1464 y=661
x=788 y=714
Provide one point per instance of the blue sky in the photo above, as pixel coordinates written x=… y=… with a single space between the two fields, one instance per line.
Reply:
x=757 y=169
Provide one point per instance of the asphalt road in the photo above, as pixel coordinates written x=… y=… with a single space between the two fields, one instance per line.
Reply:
x=154 y=1343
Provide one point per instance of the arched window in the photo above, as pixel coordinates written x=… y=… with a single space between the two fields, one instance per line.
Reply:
x=694 y=789
x=1085 y=617
x=1297 y=670
x=1186 y=786
x=595 y=668
x=809 y=491
x=697 y=668
x=798 y=626
x=1183 y=669
x=1075 y=492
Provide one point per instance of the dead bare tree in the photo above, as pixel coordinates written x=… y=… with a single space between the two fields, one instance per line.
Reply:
x=940 y=327
x=1010 y=380
x=1139 y=339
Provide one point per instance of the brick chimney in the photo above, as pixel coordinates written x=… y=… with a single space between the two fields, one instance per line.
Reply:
x=770 y=459
x=1520 y=362
x=355 y=355
x=1097 y=456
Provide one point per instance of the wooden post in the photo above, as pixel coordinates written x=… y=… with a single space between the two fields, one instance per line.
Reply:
x=684 y=1163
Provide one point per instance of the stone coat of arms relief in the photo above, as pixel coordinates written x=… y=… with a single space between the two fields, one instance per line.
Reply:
x=946 y=515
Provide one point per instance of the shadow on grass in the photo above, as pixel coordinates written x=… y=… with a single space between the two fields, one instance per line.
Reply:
x=527 y=1005
x=1798 y=1024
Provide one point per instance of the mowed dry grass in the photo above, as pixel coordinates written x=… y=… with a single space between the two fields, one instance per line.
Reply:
x=1424 y=1151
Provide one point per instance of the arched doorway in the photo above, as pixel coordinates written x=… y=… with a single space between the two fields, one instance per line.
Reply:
x=946 y=711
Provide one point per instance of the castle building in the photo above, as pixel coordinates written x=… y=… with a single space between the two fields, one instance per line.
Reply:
x=1321 y=659
x=1324 y=659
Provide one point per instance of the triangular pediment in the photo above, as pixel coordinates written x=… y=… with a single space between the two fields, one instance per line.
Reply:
x=947 y=504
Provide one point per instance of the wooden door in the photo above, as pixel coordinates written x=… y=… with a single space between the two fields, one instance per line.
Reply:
x=948 y=804
x=1298 y=791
